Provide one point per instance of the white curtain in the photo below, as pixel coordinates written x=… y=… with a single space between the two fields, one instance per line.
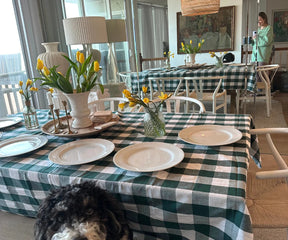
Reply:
x=153 y=30
x=38 y=21
x=31 y=36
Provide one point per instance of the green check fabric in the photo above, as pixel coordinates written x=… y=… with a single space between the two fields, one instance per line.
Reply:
x=235 y=77
x=203 y=197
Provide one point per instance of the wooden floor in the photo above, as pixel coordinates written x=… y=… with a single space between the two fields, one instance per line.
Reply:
x=283 y=98
x=280 y=140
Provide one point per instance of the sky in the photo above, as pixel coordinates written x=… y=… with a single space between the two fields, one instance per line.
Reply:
x=9 y=40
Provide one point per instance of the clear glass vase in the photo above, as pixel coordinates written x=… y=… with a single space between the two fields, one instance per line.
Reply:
x=154 y=123
x=167 y=64
x=30 y=116
x=219 y=64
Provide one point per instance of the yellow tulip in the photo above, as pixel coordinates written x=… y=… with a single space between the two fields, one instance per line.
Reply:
x=131 y=99
x=126 y=93
x=146 y=100
x=46 y=71
x=81 y=58
x=34 y=89
x=132 y=104
x=144 y=89
x=182 y=44
x=77 y=56
x=96 y=66
x=51 y=90
x=163 y=96
x=29 y=82
x=121 y=105
x=60 y=73
x=199 y=44
x=191 y=42
x=40 y=64
x=203 y=41
x=21 y=83
x=164 y=53
x=21 y=91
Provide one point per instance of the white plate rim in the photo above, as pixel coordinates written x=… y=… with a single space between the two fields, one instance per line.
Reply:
x=180 y=155
x=43 y=141
x=75 y=143
x=15 y=120
x=232 y=130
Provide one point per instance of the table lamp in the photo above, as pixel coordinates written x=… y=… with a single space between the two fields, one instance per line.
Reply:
x=86 y=31
x=116 y=32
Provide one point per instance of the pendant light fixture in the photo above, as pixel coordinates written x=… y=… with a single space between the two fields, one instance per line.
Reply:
x=198 y=7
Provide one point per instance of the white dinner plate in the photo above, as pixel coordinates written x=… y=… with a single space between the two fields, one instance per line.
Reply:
x=210 y=135
x=20 y=145
x=148 y=157
x=9 y=121
x=81 y=151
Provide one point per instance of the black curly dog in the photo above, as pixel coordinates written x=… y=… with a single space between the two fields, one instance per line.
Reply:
x=81 y=212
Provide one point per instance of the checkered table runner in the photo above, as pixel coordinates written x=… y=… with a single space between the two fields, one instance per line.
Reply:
x=203 y=197
x=235 y=77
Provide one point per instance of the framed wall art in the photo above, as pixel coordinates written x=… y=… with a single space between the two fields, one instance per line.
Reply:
x=280 y=25
x=216 y=29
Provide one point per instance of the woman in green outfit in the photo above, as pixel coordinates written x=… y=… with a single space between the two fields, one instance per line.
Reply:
x=262 y=41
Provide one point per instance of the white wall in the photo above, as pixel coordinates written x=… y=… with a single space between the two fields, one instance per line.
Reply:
x=276 y=5
x=174 y=6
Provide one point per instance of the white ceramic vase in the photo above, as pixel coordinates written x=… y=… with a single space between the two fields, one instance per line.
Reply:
x=53 y=57
x=191 y=58
x=80 y=111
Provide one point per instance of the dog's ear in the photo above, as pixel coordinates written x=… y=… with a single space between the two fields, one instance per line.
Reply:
x=117 y=228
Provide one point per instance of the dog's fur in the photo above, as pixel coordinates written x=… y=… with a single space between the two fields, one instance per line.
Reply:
x=81 y=212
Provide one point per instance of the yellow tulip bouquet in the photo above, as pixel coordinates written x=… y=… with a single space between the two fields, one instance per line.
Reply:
x=28 y=90
x=85 y=70
x=189 y=49
x=219 y=59
x=154 y=124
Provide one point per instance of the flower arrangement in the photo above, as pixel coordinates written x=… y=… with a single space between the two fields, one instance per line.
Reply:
x=134 y=99
x=29 y=112
x=189 y=49
x=154 y=124
x=218 y=58
x=86 y=75
x=168 y=55
x=28 y=90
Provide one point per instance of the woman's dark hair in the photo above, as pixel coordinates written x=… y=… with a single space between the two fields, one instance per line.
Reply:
x=264 y=17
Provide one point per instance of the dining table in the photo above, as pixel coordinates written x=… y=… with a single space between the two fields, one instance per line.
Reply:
x=238 y=77
x=201 y=197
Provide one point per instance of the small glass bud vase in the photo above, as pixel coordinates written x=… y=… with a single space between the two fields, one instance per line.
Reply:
x=167 y=64
x=219 y=63
x=154 y=123
x=30 y=116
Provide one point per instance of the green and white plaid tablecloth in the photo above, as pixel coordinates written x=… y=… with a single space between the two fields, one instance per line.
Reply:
x=235 y=77
x=203 y=197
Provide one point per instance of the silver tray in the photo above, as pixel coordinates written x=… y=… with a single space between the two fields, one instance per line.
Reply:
x=48 y=128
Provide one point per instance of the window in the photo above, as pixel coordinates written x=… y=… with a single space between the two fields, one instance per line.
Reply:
x=12 y=68
x=110 y=9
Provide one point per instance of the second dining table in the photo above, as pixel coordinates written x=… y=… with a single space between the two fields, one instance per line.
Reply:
x=202 y=197
x=235 y=73
x=238 y=77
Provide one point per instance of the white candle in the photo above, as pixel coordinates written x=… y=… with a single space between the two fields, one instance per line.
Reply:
x=56 y=102
x=49 y=98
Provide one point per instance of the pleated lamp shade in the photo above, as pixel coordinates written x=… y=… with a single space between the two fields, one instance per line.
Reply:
x=116 y=30
x=198 y=7
x=85 y=30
